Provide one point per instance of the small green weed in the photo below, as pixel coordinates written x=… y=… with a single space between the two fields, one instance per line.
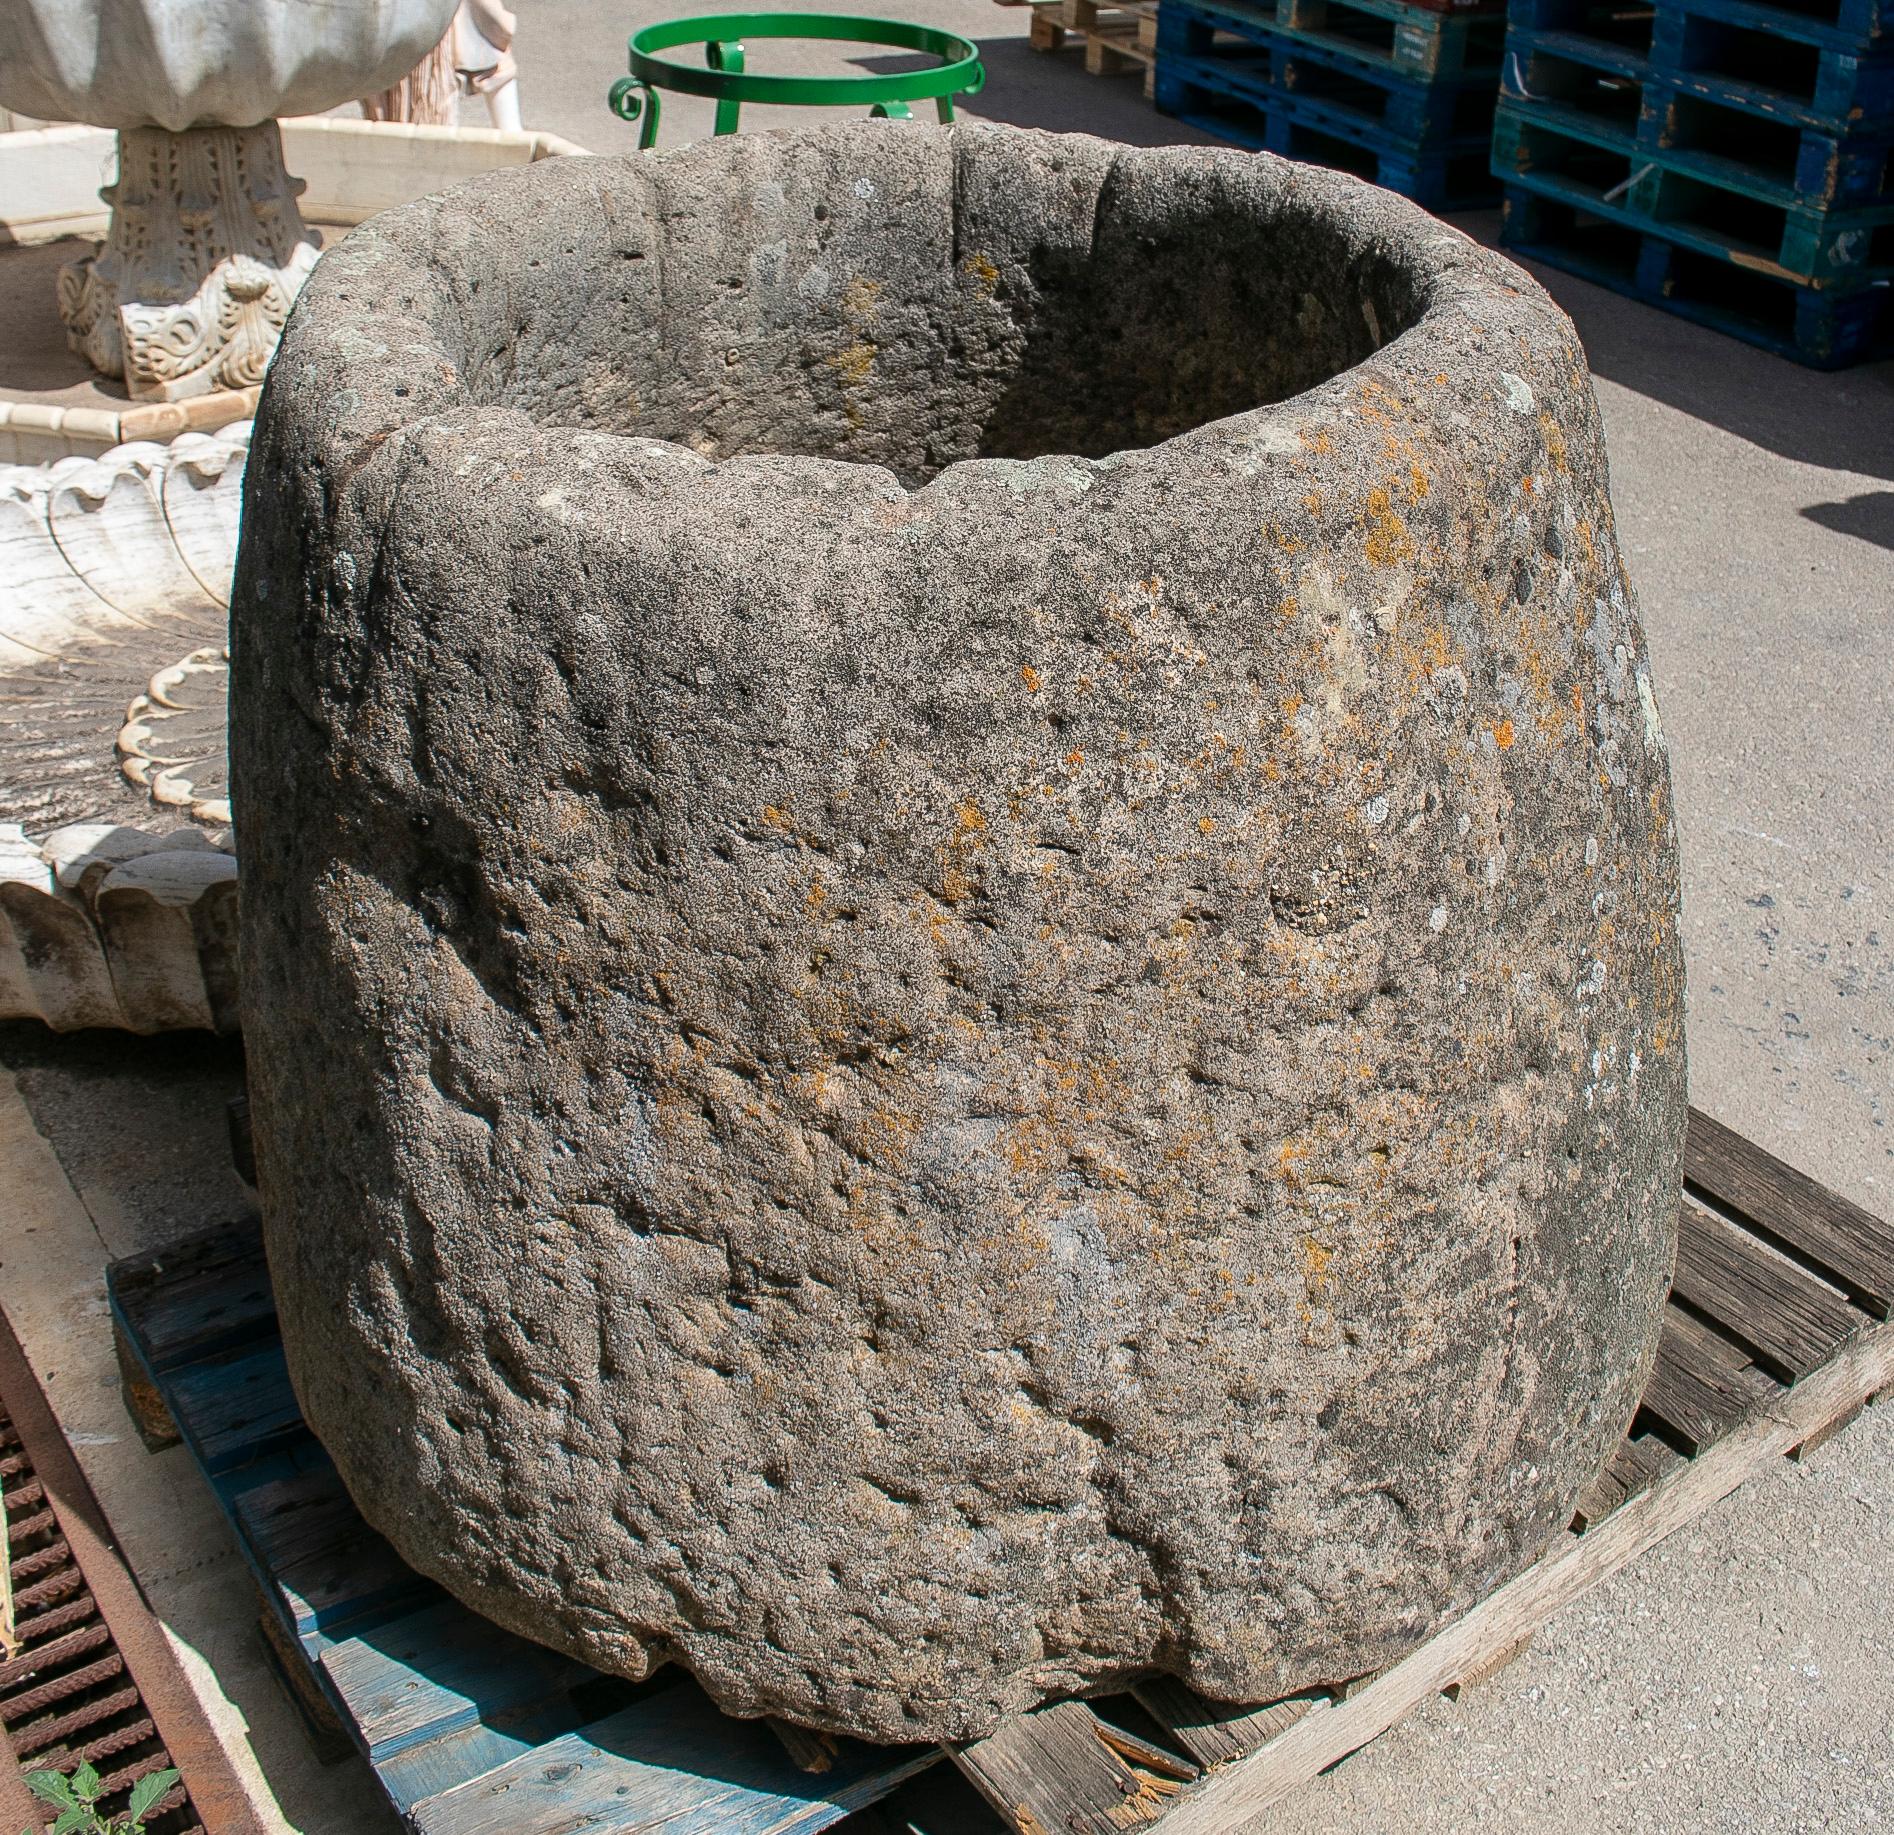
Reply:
x=76 y=1799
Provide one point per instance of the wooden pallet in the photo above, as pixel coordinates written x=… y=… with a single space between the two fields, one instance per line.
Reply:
x=1777 y=1333
x=1116 y=38
x=1823 y=327
x=1689 y=200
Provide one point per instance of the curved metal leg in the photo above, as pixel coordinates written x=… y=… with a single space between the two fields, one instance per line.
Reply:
x=631 y=100
x=728 y=57
x=891 y=111
x=945 y=106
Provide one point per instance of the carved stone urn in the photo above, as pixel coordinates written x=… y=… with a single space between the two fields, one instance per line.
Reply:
x=207 y=248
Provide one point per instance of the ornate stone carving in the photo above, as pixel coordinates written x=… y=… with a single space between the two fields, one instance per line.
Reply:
x=206 y=255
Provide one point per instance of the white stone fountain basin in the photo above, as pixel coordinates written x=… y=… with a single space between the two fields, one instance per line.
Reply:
x=117 y=884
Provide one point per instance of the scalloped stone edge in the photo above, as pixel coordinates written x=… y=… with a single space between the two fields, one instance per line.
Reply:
x=103 y=925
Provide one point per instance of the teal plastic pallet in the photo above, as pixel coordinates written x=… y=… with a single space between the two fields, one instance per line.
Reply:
x=1692 y=200
x=1762 y=62
x=1823 y=328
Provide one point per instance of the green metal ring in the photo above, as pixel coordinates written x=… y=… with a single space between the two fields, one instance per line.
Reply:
x=959 y=73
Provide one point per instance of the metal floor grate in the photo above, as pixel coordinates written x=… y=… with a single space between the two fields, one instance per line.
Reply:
x=67 y=1695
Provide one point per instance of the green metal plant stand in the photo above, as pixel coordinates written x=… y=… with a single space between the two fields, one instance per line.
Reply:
x=725 y=82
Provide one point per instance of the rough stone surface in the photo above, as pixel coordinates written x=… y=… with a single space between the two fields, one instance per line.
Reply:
x=961 y=955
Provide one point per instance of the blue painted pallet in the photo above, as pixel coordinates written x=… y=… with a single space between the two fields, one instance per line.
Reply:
x=1613 y=171
x=1395 y=38
x=1775 y=72
x=469 y=1730
x=1612 y=88
x=1824 y=328
x=1237 y=107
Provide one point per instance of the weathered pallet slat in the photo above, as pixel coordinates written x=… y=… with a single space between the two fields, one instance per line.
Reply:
x=1055 y=1769
x=670 y=1763
x=1777 y=1334
x=1209 y=1731
x=1845 y=1244
x=1700 y=1386
x=1789 y=1322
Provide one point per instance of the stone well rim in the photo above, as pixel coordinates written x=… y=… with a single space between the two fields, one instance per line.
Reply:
x=1469 y=299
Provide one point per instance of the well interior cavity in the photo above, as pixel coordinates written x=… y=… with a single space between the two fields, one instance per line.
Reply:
x=911 y=318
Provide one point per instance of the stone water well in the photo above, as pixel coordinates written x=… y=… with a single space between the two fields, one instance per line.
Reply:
x=961 y=956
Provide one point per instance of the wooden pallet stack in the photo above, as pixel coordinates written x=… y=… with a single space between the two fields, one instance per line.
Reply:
x=1777 y=1332
x=1398 y=91
x=1728 y=160
x=1116 y=38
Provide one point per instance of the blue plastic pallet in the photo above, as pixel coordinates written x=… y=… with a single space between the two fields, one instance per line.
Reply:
x=1207 y=95
x=1720 y=52
x=1823 y=328
x=1394 y=37
x=1235 y=71
x=1792 y=164
x=1617 y=174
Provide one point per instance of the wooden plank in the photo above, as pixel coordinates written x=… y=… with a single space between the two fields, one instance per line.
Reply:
x=320 y=1560
x=233 y=1408
x=1231 y=1798
x=1212 y=1732
x=1051 y=1770
x=1136 y=1750
x=1489 y=1669
x=808 y=1749
x=672 y=1762
x=1639 y=1464
x=439 y=1669
x=1596 y=1502
x=1700 y=1386
x=1845 y=1244
x=1788 y=1321
x=195 y=1298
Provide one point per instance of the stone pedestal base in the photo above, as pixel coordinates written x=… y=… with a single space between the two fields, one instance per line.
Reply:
x=206 y=252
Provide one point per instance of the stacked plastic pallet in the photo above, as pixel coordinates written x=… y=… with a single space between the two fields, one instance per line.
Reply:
x=1725 y=159
x=1399 y=91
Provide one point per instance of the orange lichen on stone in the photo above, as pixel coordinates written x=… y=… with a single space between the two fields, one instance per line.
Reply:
x=1030 y=676
x=1388 y=540
x=1503 y=734
x=1554 y=441
x=982 y=269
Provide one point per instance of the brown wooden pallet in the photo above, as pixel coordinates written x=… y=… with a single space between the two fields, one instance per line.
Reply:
x=1116 y=38
x=1777 y=1335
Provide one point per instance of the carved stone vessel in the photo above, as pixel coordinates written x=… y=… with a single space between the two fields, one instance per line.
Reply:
x=960 y=948
x=207 y=248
